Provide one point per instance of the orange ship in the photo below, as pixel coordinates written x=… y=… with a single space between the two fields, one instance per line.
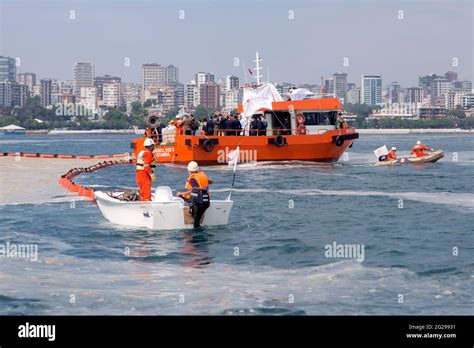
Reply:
x=303 y=130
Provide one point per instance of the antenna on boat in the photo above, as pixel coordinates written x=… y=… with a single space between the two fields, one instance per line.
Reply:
x=257 y=67
x=268 y=73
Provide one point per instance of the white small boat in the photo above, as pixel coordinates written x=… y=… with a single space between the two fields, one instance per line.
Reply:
x=163 y=212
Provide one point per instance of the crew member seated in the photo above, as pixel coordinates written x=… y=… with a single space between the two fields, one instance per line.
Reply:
x=392 y=154
x=197 y=194
x=419 y=148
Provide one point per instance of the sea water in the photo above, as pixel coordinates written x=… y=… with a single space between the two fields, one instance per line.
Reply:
x=285 y=250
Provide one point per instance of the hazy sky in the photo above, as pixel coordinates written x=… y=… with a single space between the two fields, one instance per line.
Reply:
x=212 y=33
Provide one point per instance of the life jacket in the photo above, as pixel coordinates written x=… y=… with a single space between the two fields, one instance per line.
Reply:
x=201 y=179
x=418 y=150
x=141 y=165
x=391 y=155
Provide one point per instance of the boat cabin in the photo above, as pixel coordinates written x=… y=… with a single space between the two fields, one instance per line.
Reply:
x=315 y=116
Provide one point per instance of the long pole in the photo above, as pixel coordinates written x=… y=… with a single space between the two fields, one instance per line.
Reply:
x=232 y=186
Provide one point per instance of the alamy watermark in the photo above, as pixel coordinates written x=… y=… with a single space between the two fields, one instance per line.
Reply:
x=245 y=156
x=19 y=251
x=74 y=109
x=345 y=251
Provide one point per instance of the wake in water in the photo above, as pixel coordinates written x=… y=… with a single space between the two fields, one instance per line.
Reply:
x=156 y=288
x=465 y=200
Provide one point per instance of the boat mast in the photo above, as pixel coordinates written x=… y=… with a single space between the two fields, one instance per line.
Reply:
x=257 y=68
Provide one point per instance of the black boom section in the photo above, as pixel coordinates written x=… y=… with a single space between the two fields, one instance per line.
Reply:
x=349 y=136
x=213 y=141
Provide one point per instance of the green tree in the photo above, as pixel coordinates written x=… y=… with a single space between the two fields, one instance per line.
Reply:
x=114 y=114
x=362 y=111
x=149 y=102
x=458 y=112
x=203 y=111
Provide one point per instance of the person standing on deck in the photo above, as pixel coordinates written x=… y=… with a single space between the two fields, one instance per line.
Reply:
x=187 y=125
x=243 y=124
x=209 y=126
x=236 y=126
x=216 y=122
x=222 y=123
x=254 y=126
x=145 y=170
x=194 y=125
x=263 y=126
x=228 y=125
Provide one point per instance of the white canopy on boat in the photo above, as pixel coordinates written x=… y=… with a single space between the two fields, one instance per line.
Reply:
x=258 y=97
x=300 y=94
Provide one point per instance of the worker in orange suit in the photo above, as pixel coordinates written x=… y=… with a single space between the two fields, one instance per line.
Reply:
x=197 y=194
x=419 y=148
x=145 y=170
x=392 y=154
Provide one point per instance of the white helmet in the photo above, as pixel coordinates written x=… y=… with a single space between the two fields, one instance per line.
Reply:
x=193 y=166
x=418 y=142
x=394 y=148
x=148 y=142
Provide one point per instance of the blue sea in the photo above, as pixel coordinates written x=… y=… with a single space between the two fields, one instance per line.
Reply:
x=414 y=224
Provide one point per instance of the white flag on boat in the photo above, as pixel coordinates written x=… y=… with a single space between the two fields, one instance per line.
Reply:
x=233 y=158
x=381 y=151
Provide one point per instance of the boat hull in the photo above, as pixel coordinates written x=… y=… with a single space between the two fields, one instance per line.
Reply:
x=315 y=147
x=431 y=158
x=154 y=215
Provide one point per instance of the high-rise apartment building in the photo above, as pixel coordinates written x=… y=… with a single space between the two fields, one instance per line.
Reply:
x=111 y=94
x=393 y=93
x=340 y=85
x=209 y=95
x=46 y=87
x=99 y=82
x=171 y=75
x=7 y=69
x=192 y=94
x=82 y=76
x=371 y=93
x=28 y=79
x=232 y=82
x=89 y=98
x=451 y=76
x=414 y=95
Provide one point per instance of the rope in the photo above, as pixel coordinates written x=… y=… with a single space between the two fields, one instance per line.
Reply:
x=66 y=179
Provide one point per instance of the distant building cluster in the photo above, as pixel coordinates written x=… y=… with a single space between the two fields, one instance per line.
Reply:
x=433 y=97
x=160 y=87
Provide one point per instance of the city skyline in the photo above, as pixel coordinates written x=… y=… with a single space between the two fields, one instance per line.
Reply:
x=91 y=30
x=350 y=81
x=161 y=84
